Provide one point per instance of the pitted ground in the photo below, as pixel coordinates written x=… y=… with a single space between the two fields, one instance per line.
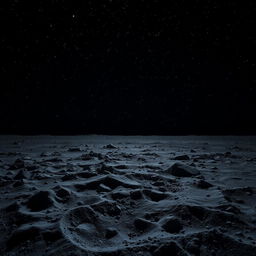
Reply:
x=105 y=195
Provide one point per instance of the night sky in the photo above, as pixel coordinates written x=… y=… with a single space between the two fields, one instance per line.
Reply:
x=123 y=67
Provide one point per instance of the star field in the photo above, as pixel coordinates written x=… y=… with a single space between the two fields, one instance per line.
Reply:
x=123 y=67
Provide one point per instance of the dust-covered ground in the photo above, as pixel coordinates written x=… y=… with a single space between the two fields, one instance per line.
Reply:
x=114 y=195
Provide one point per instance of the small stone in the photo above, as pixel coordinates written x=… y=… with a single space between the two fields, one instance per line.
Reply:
x=20 y=175
x=110 y=232
x=182 y=157
x=18 y=183
x=68 y=177
x=136 y=195
x=203 y=184
x=142 y=224
x=172 y=225
x=18 y=164
x=110 y=146
x=181 y=170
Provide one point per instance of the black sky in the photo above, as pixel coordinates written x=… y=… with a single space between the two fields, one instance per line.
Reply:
x=123 y=67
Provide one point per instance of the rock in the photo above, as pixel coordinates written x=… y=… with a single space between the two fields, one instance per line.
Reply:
x=110 y=146
x=105 y=169
x=40 y=201
x=44 y=154
x=203 y=184
x=110 y=232
x=172 y=225
x=62 y=193
x=56 y=153
x=227 y=154
x=119 y=195
x=110 y=181
x=18 y=164
x=136 y=195
x=182 y=157
x=181 y=170
x=91 y=155
x=18 y=183
x=68 y=177
x=142 y=224
x=20 y=175
x=86 y=157
x=154 y=195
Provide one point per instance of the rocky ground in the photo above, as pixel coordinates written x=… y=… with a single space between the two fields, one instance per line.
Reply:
x=113 y=195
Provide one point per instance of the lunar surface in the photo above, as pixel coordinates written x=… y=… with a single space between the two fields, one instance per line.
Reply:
x=127 y=195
